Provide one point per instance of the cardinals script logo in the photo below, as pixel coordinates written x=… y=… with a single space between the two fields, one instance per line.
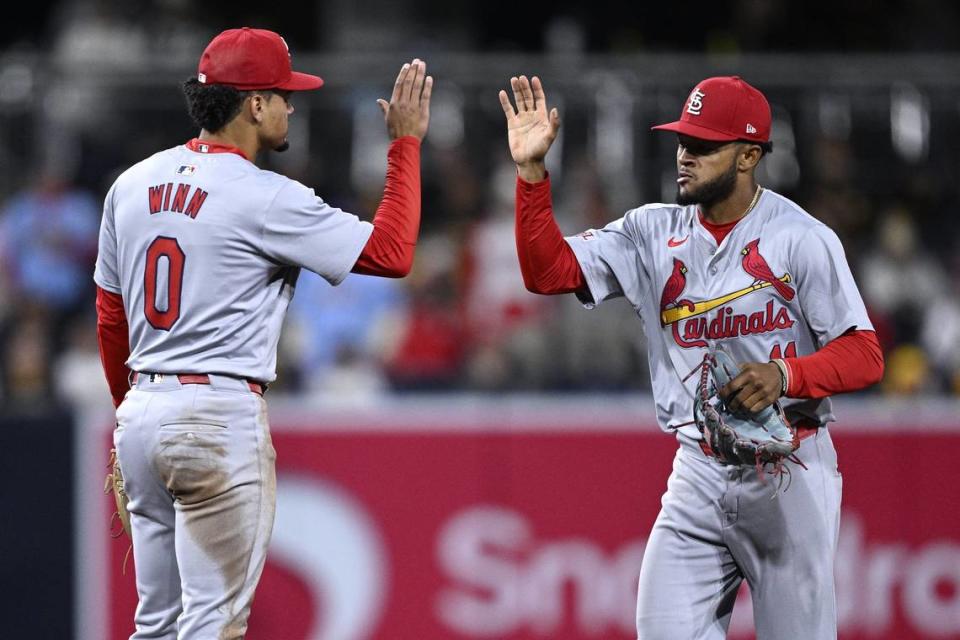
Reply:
x=690 y=321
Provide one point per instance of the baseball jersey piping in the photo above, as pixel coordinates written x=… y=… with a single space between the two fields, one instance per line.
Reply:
x=214 y=147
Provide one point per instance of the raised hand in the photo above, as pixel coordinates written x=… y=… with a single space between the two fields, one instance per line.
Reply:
x=408 y=112
x=530 y=128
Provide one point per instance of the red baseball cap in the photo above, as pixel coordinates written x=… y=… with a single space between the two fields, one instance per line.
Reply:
x=721 y=109
x=249 y=59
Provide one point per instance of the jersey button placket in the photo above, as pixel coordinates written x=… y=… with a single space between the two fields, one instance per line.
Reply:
x=718 y=257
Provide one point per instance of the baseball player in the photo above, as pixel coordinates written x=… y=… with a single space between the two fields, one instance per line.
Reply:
x=736 y=266
x=198 y=259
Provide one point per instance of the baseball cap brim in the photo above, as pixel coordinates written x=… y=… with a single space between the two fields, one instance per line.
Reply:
x=695 y=131
x=301 y=82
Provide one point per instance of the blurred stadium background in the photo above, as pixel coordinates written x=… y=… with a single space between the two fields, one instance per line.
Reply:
x=451 y=413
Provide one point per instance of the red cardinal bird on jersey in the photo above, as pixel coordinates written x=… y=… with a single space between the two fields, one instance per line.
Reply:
x=754 y=264
x=674 y=287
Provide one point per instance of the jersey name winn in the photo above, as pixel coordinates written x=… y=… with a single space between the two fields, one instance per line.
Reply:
x=777 y=286
x=210 y=254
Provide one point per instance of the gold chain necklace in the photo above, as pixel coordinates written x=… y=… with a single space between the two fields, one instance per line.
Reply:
x=753 y=203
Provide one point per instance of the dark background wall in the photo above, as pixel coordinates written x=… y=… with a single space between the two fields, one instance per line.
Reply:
x=37 y=532
x=504 y=25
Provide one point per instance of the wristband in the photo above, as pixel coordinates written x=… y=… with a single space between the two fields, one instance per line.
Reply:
x=784 y=376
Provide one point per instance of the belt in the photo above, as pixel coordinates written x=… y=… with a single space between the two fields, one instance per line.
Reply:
x=805 y=427
x=199 y=378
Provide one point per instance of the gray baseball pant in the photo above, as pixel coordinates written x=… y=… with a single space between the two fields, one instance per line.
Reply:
x=198 y=466
x=719 y=525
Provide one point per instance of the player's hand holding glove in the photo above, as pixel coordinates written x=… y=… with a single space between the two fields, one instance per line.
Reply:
x=114 y=484
x=736 y=434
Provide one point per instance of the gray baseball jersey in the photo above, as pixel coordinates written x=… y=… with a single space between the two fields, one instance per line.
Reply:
x=777 y=286
x=211 y=251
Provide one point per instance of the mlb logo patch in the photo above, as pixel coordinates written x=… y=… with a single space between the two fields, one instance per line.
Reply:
x=186 y=170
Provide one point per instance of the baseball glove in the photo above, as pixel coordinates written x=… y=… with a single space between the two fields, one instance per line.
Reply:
x=114 y=483
x=764 y=439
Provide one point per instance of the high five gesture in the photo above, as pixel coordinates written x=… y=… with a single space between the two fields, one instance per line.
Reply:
x=408 y=112
x=531 y=129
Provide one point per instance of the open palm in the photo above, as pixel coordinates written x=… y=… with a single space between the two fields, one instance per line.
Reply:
x=531 y=129
x=408 y=112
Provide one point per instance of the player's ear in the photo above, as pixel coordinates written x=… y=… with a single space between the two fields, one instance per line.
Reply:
x=749 y=156
x=256 y=105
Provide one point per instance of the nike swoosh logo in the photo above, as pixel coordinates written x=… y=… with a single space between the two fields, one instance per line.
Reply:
x=676 y=243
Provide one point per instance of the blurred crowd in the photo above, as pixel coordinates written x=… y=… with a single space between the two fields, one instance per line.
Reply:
x=462 y=321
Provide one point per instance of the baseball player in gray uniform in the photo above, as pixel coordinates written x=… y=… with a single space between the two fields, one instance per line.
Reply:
x=736 y=266
x=199 y=255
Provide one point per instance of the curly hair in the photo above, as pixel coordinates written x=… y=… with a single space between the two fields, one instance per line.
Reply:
x=212 y=106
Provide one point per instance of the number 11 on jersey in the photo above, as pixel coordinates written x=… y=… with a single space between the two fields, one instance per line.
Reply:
x=789 y=352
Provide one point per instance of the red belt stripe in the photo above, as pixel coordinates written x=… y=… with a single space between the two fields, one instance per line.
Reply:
x=200 y=378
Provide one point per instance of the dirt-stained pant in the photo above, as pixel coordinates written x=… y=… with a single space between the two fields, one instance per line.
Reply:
x=198 y=465
x=718 y=526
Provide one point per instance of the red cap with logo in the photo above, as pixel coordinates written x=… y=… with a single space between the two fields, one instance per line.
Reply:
x=249 y=59
x=721 y=109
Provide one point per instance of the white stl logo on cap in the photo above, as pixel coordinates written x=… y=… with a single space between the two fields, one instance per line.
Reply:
x=696 y=102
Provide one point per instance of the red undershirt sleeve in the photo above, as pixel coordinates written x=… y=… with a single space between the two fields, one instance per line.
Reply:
x=547 y=262
x=389 y=251
x=851 y=362
x=114 y=341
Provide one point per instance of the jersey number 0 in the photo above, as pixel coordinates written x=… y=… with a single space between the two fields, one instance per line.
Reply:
x=169 y=248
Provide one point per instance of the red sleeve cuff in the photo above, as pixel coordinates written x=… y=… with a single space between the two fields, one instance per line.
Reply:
x=534 y=186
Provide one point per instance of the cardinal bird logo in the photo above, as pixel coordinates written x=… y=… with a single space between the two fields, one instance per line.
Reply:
x=754 y=264
x=674 y=287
